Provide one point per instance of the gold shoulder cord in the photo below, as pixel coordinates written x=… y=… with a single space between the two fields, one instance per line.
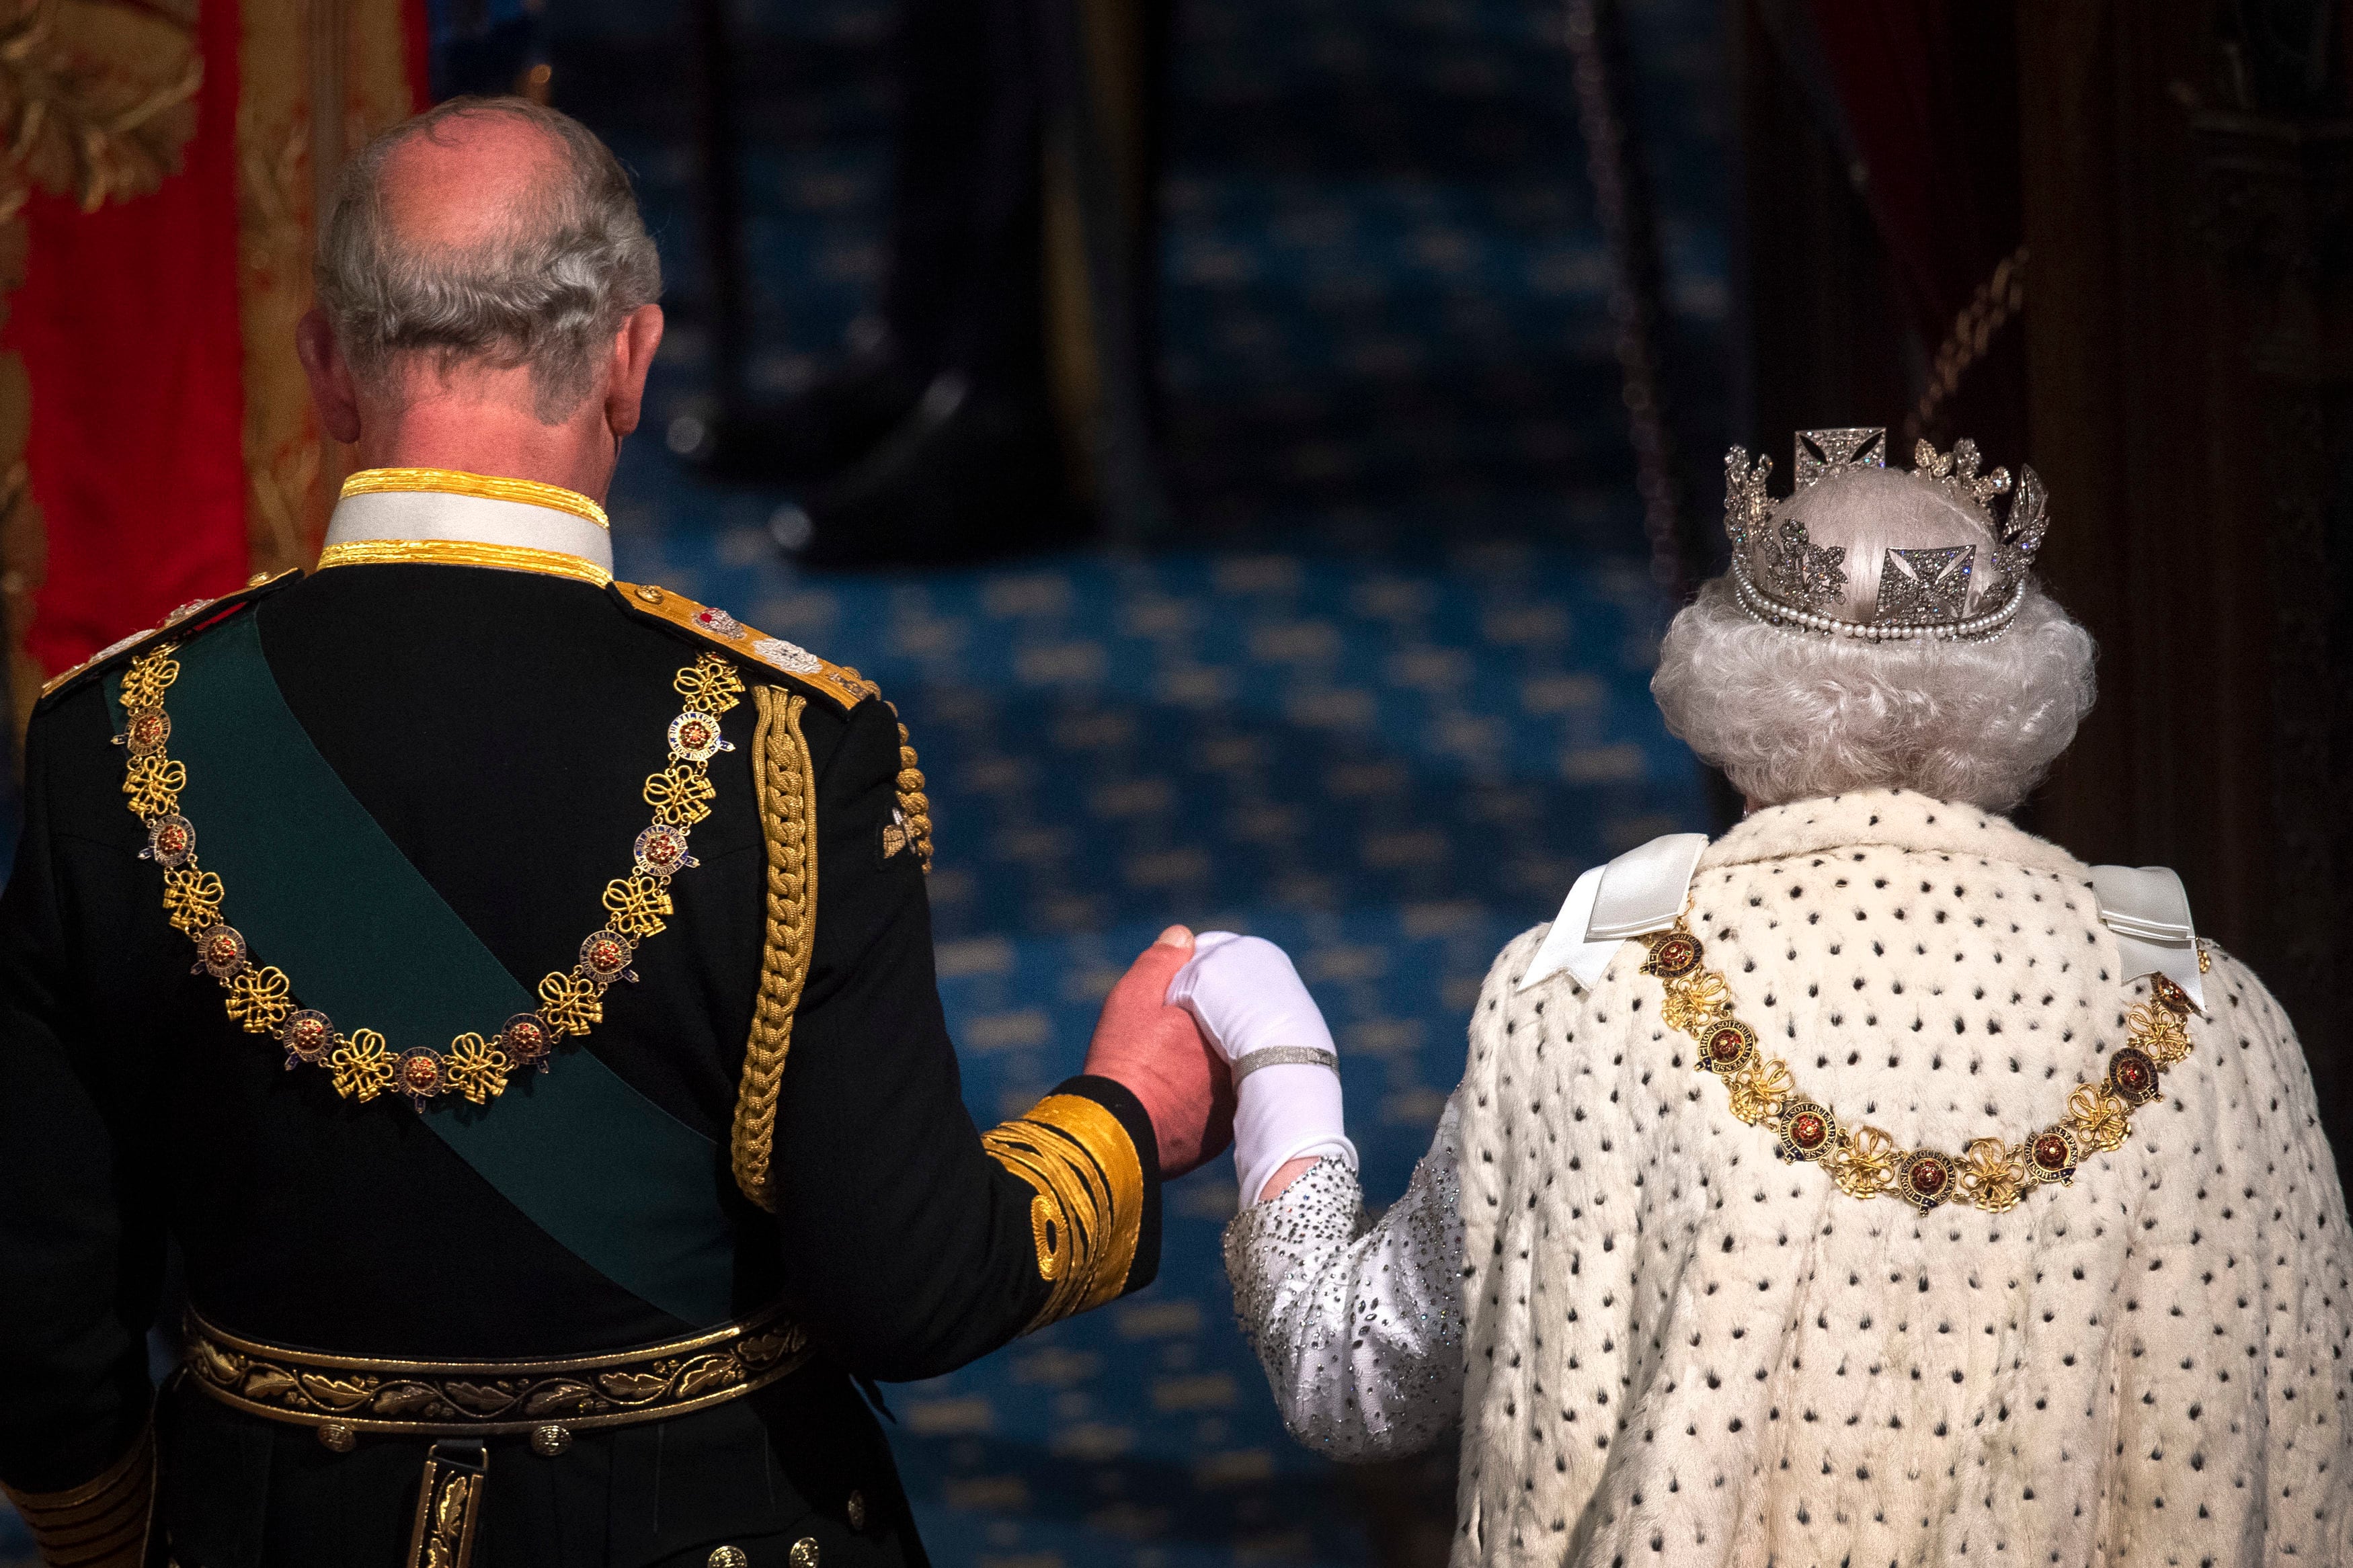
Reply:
x=1992 y=1174
x=912 y=829
x=785 y=786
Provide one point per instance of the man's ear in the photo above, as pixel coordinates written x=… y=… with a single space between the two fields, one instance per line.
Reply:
x=633 y=356
x=330 y=376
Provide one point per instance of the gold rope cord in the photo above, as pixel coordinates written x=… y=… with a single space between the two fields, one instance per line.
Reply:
x=1997 y=301
x=1087 y=1213
x=784 y=786
x=1990 y=1174
x=914 y=824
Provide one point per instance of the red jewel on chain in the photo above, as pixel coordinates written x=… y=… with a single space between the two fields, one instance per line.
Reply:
x=1730 y=1046
x=305 y=1034
x=1675 y=955
x=419 y=1075
x=171 y=841
x=525 y=1040
x=1927 y=1180
x=1808 y=1130
x=148 y=732
x=606 y=955
x=2132 y=1074
x=695 y=736
x=220 y=952
x=2054 y=1154
x=663 y=849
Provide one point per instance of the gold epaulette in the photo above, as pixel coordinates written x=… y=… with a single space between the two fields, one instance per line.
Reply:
x=175 y=624
x=723 y=631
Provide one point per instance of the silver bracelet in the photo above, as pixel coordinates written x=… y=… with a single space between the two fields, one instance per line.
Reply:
x=1285 y=1055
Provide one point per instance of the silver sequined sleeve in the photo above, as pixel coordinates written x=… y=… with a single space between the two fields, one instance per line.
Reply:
x=1360 y=1328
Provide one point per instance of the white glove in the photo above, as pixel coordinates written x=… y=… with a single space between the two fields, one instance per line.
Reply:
x=1250 y=1002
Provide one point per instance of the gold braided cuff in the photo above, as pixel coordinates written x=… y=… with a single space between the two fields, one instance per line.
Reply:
x=463 y=553
x=488 y=487
x=101 y=1523
x=1089 y=1211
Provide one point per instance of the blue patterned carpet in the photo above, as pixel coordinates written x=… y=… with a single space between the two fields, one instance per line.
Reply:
x=1389 y=765
x=1383 y=713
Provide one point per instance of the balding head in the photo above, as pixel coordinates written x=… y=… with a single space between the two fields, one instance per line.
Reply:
x=493 y=230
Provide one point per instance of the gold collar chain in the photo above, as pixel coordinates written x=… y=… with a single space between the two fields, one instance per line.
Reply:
x=260 y=998
x=1990 y=1174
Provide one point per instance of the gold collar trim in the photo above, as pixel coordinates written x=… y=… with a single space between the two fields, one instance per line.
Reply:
x=463 y=553
x=455 y=482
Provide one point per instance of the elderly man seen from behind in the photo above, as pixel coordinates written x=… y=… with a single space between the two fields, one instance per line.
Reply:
x=559 y=1123
x=1877 y=1183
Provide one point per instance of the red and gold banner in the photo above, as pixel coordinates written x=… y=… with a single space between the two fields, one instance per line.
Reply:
x=167 y=445
x=127 y=322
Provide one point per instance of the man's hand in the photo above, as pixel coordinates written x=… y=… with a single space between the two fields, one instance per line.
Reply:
x=1158 y=1053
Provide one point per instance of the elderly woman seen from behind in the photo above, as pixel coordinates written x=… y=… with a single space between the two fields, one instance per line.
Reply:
x=1877 y=1183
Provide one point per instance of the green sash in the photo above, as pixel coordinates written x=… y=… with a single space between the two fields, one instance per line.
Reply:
x=319 y=892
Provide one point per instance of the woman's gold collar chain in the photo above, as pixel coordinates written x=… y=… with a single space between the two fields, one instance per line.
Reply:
x=1989 y=1173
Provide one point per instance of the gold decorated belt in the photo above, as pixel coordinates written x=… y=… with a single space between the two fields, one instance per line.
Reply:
x=342 y=1396
x=458 y=1403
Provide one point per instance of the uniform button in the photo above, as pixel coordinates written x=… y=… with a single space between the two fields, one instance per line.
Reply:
x=550 y=1440
x=805 y=1553
x=338 y=1439
x=653 y=596
x=856 y=1511
x=728 y=1557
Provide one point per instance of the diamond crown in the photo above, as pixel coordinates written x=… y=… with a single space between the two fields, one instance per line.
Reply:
x=1782 y=577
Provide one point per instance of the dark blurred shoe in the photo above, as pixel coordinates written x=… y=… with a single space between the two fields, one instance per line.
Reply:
x=967 y=475
x=815 y=435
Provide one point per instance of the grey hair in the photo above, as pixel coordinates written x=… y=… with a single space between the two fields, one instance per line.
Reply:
x=1791 y=716
x=548 y=291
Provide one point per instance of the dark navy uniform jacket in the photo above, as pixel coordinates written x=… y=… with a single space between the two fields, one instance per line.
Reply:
x=498 y=726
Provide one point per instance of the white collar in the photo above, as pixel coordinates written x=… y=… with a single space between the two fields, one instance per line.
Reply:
x=467 y=519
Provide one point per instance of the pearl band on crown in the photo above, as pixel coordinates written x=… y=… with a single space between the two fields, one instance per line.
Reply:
x=1978 y=629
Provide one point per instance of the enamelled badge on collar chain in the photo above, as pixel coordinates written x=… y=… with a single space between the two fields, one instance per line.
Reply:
x=695 y=736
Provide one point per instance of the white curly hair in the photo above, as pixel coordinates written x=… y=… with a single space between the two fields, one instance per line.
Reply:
x=1793 y=715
